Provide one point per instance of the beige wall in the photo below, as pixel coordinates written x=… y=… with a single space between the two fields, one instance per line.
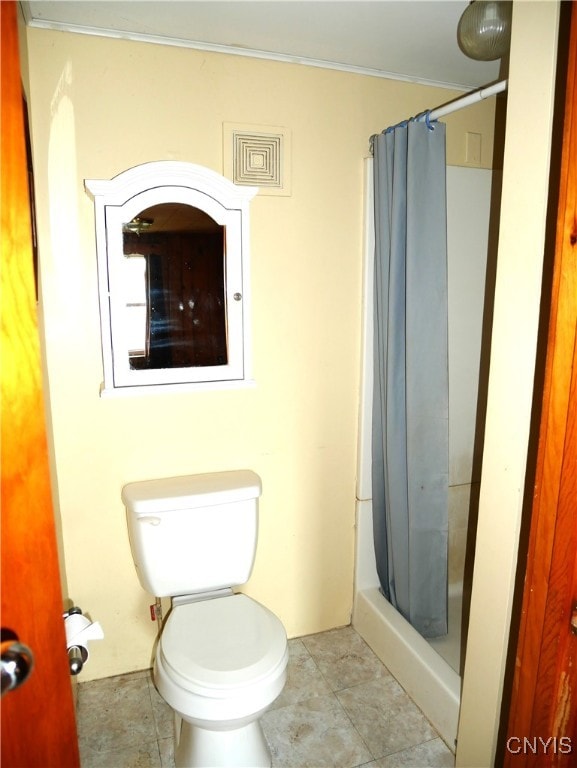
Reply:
x=100 y=106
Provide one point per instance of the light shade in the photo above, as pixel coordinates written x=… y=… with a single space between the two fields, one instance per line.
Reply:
x=484 y=30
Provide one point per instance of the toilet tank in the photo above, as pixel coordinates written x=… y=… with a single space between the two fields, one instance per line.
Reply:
x=193 y=533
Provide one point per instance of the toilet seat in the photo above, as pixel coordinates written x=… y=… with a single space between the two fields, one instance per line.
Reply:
x=216 y=648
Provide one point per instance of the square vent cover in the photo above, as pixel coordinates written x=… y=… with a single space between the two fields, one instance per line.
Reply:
x=259 y=156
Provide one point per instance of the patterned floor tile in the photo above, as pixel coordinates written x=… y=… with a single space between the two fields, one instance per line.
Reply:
x=304 y=679
x=315 y=733
x=432 y=754
x=344 y=658
x=340 y=708
x=138 y=756
x=385 y=716
x=100 y=728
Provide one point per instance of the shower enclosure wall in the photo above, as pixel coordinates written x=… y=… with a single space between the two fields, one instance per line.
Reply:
x=430 y=670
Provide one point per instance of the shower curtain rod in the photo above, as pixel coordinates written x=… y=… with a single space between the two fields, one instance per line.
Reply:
x=465 y=101
x=445 y=109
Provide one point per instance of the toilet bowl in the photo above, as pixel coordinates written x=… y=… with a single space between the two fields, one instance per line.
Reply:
x=220 y=664
x=221 y=656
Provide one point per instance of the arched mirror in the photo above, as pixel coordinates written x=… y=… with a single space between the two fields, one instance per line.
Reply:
x=172 y=242
x=175 y=310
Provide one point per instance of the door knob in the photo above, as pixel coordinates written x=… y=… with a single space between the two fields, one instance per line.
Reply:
x=16 y=664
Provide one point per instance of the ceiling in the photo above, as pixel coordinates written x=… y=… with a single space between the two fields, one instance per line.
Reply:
x=411 y=40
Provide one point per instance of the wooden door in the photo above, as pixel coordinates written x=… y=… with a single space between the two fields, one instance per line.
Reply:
x=542 y=727
x=38 y=724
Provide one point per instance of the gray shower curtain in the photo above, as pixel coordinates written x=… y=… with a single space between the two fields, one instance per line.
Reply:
x=410 y=396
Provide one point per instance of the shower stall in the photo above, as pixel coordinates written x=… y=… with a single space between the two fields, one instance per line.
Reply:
x=430 y=670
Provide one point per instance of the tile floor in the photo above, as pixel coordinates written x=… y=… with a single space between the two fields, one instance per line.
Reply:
x=340 y=708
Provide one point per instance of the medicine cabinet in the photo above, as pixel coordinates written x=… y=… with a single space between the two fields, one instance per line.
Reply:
x=173 y=278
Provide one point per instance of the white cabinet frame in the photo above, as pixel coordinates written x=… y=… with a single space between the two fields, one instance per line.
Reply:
x=118 y=201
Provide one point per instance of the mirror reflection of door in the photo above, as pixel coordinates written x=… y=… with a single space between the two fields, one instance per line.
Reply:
x=175 y=288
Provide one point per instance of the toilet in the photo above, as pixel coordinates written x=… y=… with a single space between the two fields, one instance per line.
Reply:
x=221 y=657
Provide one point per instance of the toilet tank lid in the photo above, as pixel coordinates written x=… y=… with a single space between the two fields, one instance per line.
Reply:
x=190 y=491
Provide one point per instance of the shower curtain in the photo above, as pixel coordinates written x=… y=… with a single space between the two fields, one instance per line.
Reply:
x=410 y=396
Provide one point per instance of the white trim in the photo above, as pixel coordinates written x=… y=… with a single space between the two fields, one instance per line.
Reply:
x=234 y=51
x=169 y=173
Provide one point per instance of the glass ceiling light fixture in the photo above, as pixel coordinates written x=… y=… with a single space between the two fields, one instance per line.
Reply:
x=484 y=30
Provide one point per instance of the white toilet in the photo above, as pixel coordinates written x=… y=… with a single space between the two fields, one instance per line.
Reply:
x=221 y=658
